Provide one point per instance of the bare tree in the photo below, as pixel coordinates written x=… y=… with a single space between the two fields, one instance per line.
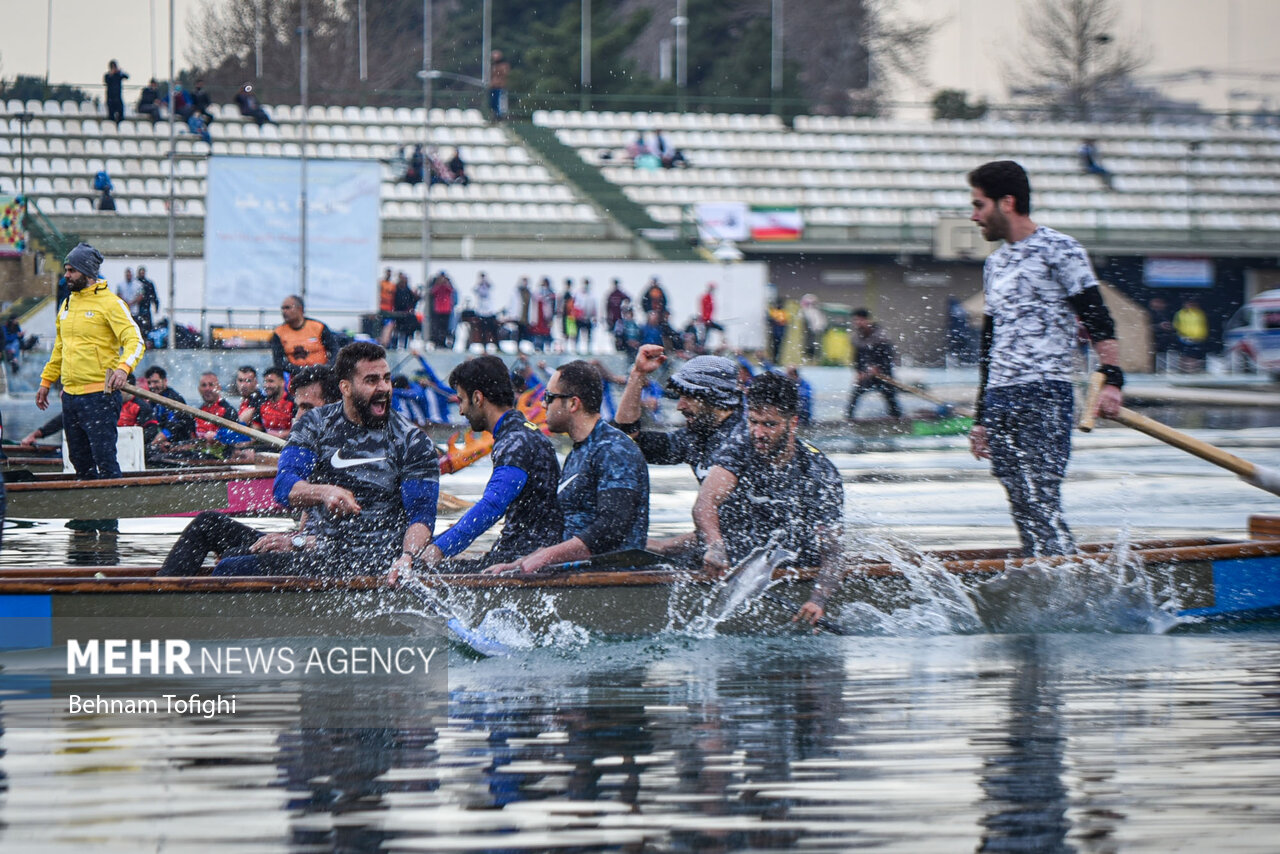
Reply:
x=1073 y=56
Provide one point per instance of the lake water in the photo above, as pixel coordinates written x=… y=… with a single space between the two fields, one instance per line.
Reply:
x=911 y=736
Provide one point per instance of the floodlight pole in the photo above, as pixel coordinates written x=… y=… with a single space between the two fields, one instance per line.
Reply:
x=173 y=146
x=426 y=166
x=585 y=83
x=302 y=211
x=775 y=57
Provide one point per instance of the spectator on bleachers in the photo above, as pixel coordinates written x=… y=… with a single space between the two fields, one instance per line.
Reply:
x=667 y=153
x=443 y=297
x=613 y=309
x=440 y=173
x=184 y=108
x=1089 y=162
x=458 y=168
x=413 y=162
x=149 y=103
x=106 y=202
x=202 y=103
x=249 y=106
x=499 y=68
x=114 y=80
x=642 y=156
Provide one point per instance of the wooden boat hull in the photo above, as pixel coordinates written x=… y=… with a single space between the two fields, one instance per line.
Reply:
x=241 y=490
x=1207 y=580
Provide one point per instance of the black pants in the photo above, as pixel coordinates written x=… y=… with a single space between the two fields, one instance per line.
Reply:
x=89 y=422
x=876 y=384
x=208 y=532
x=115 y=110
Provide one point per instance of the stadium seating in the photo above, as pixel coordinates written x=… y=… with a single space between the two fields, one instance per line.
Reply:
x=63 y=154
x=845 y=172
x=851 y=178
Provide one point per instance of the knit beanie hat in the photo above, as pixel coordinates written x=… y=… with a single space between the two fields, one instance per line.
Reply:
x=710 y=378
x=85 y=259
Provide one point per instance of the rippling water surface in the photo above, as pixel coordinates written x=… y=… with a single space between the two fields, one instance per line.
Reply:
x=916 y=735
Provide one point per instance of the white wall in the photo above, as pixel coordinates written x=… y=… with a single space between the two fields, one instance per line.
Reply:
x=740 y=292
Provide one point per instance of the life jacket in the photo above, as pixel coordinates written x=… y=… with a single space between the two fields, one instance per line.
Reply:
x=276 y=415
x=303 y=346
x=386 y=295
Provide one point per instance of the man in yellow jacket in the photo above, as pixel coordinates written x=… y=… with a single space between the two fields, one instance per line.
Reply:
x=97 y=345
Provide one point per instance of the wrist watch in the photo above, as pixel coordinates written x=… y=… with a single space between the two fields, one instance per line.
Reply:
x=299 y=540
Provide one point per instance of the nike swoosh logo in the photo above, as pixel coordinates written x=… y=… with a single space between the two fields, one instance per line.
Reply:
x=560 y=489
x=339 y=463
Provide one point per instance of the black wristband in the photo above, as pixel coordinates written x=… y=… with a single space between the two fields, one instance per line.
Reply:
x=1114 y=376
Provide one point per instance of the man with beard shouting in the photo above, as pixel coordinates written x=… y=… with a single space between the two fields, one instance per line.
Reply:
x=707 y=394
x=367 y=478
x=766 y=484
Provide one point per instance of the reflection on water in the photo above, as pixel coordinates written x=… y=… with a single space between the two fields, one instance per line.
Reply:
x=917 y=734
x=993 y=743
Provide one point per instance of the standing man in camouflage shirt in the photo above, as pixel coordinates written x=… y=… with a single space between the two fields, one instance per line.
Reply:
x=1035 y=287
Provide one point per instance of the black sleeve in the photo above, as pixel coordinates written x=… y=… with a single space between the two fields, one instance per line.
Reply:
x=53 y=425
x=1093 y=313
x=615 y=511
x=984 y=363
x=329 y=343
x=663 y=449
x=277 y=352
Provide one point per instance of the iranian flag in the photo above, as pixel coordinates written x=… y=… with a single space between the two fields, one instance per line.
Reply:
x=775 y=223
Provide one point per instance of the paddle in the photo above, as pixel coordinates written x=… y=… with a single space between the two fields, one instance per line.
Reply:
x=481 y=644
x=624 y=559
x=1263 y=477
x=196 y=412
x=924 y=395
x=446 y=502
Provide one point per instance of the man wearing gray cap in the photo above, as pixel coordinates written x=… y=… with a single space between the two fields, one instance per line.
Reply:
x=97 y=345
x=707 y=394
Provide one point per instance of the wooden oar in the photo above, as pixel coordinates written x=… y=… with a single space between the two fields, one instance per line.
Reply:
x=446 y=502
x=1263 y=477
x=924 y=395
x=147 y=394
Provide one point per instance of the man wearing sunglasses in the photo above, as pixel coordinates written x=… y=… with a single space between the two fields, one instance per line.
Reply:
x=604 y=485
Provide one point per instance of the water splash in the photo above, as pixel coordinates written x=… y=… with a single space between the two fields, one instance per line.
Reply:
x=1110 y=593
x=739 y=589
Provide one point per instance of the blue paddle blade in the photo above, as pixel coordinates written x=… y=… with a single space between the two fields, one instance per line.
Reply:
x=486 y=646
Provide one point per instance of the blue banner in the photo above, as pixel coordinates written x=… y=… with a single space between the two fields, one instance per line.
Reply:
x=253 y=232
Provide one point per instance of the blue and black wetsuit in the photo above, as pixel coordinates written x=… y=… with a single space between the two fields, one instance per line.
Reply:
x=393 y=472
x=685 y=445
x=792 y=504
x=604 y=491
x=522 y=488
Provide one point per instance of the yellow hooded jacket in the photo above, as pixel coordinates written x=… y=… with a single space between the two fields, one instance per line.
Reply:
x=96 y=335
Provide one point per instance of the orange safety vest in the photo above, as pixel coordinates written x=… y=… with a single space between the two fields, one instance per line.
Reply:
x=303 y=346
x=386 y=295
